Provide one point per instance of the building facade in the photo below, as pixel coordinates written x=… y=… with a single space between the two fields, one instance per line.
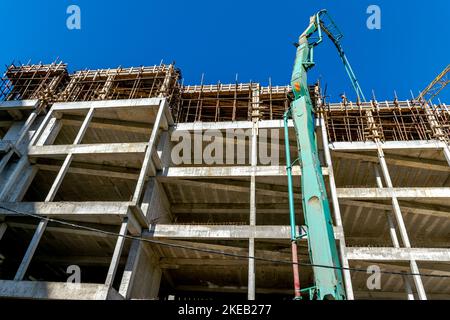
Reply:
x=125 y=184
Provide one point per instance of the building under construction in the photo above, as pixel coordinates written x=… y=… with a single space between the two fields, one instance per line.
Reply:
x=93 y=205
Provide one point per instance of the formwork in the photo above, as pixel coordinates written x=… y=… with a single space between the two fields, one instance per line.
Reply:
x=104 y=196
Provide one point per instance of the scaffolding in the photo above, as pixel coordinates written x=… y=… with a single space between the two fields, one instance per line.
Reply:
x=392 y=121
x=122 y=83
x=232 y=102
x=39 y=81
x=345 y=121
x=97 y=151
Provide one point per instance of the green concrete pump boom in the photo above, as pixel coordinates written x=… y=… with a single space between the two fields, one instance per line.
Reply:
x=316 y=209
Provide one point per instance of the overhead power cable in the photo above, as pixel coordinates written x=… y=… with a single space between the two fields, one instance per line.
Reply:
x=212 y=251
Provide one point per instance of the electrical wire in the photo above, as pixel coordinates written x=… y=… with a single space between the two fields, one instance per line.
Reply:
x=211 y=251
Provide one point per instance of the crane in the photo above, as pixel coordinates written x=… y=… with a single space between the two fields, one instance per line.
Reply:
x=328 y=280
x=436 y=86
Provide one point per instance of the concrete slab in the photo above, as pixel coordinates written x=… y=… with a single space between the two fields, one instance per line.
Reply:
x=57 y=290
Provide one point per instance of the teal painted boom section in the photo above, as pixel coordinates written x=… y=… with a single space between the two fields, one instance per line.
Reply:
x=316 y=209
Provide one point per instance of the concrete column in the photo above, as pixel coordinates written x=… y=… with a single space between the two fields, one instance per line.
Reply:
x=51 y=195
x=18 y=170
x=393 y=234
x=337 y=212
x=155 y=204
x=47 y=131
x=10 y=181
x=22 y=185
x=391 y=225
x=408 y=288
x=20 y=274
x=26 y=127
x=117 y=253
x=18 y=138
x=142 y=261
x=14 y=185
x=148 y=162
x=146 y=204
x=395 y=206
x=251 y=243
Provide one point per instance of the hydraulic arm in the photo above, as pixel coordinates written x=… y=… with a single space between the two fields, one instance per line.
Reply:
x=321 y=242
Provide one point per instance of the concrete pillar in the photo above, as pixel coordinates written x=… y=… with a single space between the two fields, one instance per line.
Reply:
x=251 y=243
x=21 y=186
x=337 y=212
x=147 y=163
x=48 y=137
x=116 y=254
x=48 y=132
x=143 y=262
x=393 y=235
x=395 y=206
x=155 y=204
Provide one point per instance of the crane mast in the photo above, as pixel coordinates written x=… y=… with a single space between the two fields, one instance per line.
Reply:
x=316 y=209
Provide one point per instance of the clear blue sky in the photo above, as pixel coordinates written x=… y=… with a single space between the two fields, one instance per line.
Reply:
x=222 y=38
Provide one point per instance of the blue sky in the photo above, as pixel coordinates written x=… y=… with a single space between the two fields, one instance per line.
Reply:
x=222 y=38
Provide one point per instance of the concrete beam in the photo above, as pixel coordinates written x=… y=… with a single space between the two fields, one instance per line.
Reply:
x=389 y=145
x=224 y=208
x=101 y=148
x=181 y=263
x=362 y=239
x=56 y=290
x=78 y=260
x=58 y=228
x=53 y=209
x=278 y=255
x=109 y=124
x=388 y=193
x=231 y=171
x=19 y=104
x=394 y=295
x=106 y=104
x=416 y=163
x=226 y=125
x=398 y=254
x=229 y=232
x=232 y=186
x=94 y=170
x=407 y=207
x=233 y=289
x=399 y=266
